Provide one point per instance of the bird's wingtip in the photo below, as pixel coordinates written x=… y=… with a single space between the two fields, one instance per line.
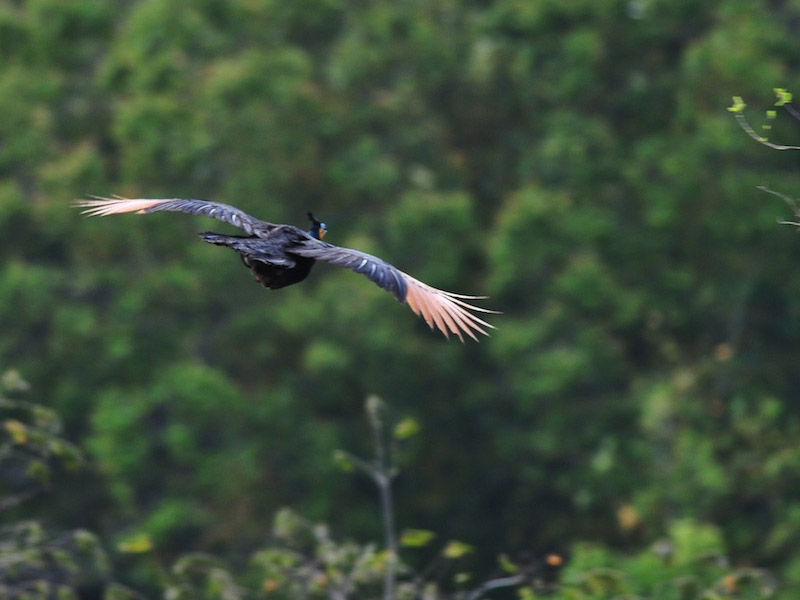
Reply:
x=445 y=311
x=103 y=206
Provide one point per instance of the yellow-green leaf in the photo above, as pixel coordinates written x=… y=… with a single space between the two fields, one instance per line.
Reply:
x=38 y=470
x=456 y=549
x=784 y=97
x=406 y=428
x=526 y=593
x=506 y=564
x=414 y=538
x=738 y=105
x=138 y=543
x=17 y=429
x=342 y=460
x=462 y=578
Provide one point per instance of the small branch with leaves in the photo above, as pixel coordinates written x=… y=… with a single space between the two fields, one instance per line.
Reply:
x=382 y=473
x=784 y=100
x=31 y=445
x=791 y=203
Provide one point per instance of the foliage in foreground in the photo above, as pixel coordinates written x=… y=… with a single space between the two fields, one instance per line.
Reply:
x=34 y=562
x=303 y=560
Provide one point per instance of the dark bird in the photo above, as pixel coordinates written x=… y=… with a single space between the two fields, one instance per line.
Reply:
x=281 y=255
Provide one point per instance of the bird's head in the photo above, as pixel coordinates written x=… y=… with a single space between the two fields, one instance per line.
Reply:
x=318 y=229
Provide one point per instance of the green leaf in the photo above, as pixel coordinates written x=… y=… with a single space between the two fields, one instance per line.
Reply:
x=38 y=470
x=506 y=564
x=455 y=549
x=85 y=540
x=784 y=97
x=287 y=524
x=406 y=428
x=17 y=429
x=416 y=538
x=738 y=105
x=342 y=460
x=12 y=381
x=138 y=543
x=526 y=593
x=461 y=578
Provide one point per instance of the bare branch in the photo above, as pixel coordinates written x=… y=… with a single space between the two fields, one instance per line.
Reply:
x=494 y=584
x=792 y=111
x=760 y=138
x=790 y=202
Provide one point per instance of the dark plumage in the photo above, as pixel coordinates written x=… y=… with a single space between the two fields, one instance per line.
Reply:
x=281 y=255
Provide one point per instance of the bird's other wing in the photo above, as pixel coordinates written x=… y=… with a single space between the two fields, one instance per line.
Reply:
x=446 y=311
x=98 y=206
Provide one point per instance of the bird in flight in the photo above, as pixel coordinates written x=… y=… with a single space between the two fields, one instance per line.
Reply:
x=281 y=255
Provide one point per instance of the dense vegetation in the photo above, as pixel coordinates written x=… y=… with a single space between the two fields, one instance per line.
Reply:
x=571 y=159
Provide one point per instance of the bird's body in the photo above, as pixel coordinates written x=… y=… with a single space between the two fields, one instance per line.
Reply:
x=269 y=258
x=282 y=255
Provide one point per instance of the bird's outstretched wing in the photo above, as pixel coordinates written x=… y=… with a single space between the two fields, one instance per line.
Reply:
x=446 y=311
x=97 y=206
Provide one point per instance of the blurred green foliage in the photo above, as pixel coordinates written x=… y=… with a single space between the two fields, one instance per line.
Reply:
x=35 y=563
x=572 y=160
x=31 y=446
x=301 y=559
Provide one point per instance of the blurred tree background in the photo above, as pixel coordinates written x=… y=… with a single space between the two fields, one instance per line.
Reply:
x=572 y=159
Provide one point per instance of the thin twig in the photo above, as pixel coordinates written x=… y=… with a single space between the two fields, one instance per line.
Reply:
x=381 y=474
x=760 y=138
x=493 y=584
x=387 y=510
x=792 y=111
x=791 y=202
